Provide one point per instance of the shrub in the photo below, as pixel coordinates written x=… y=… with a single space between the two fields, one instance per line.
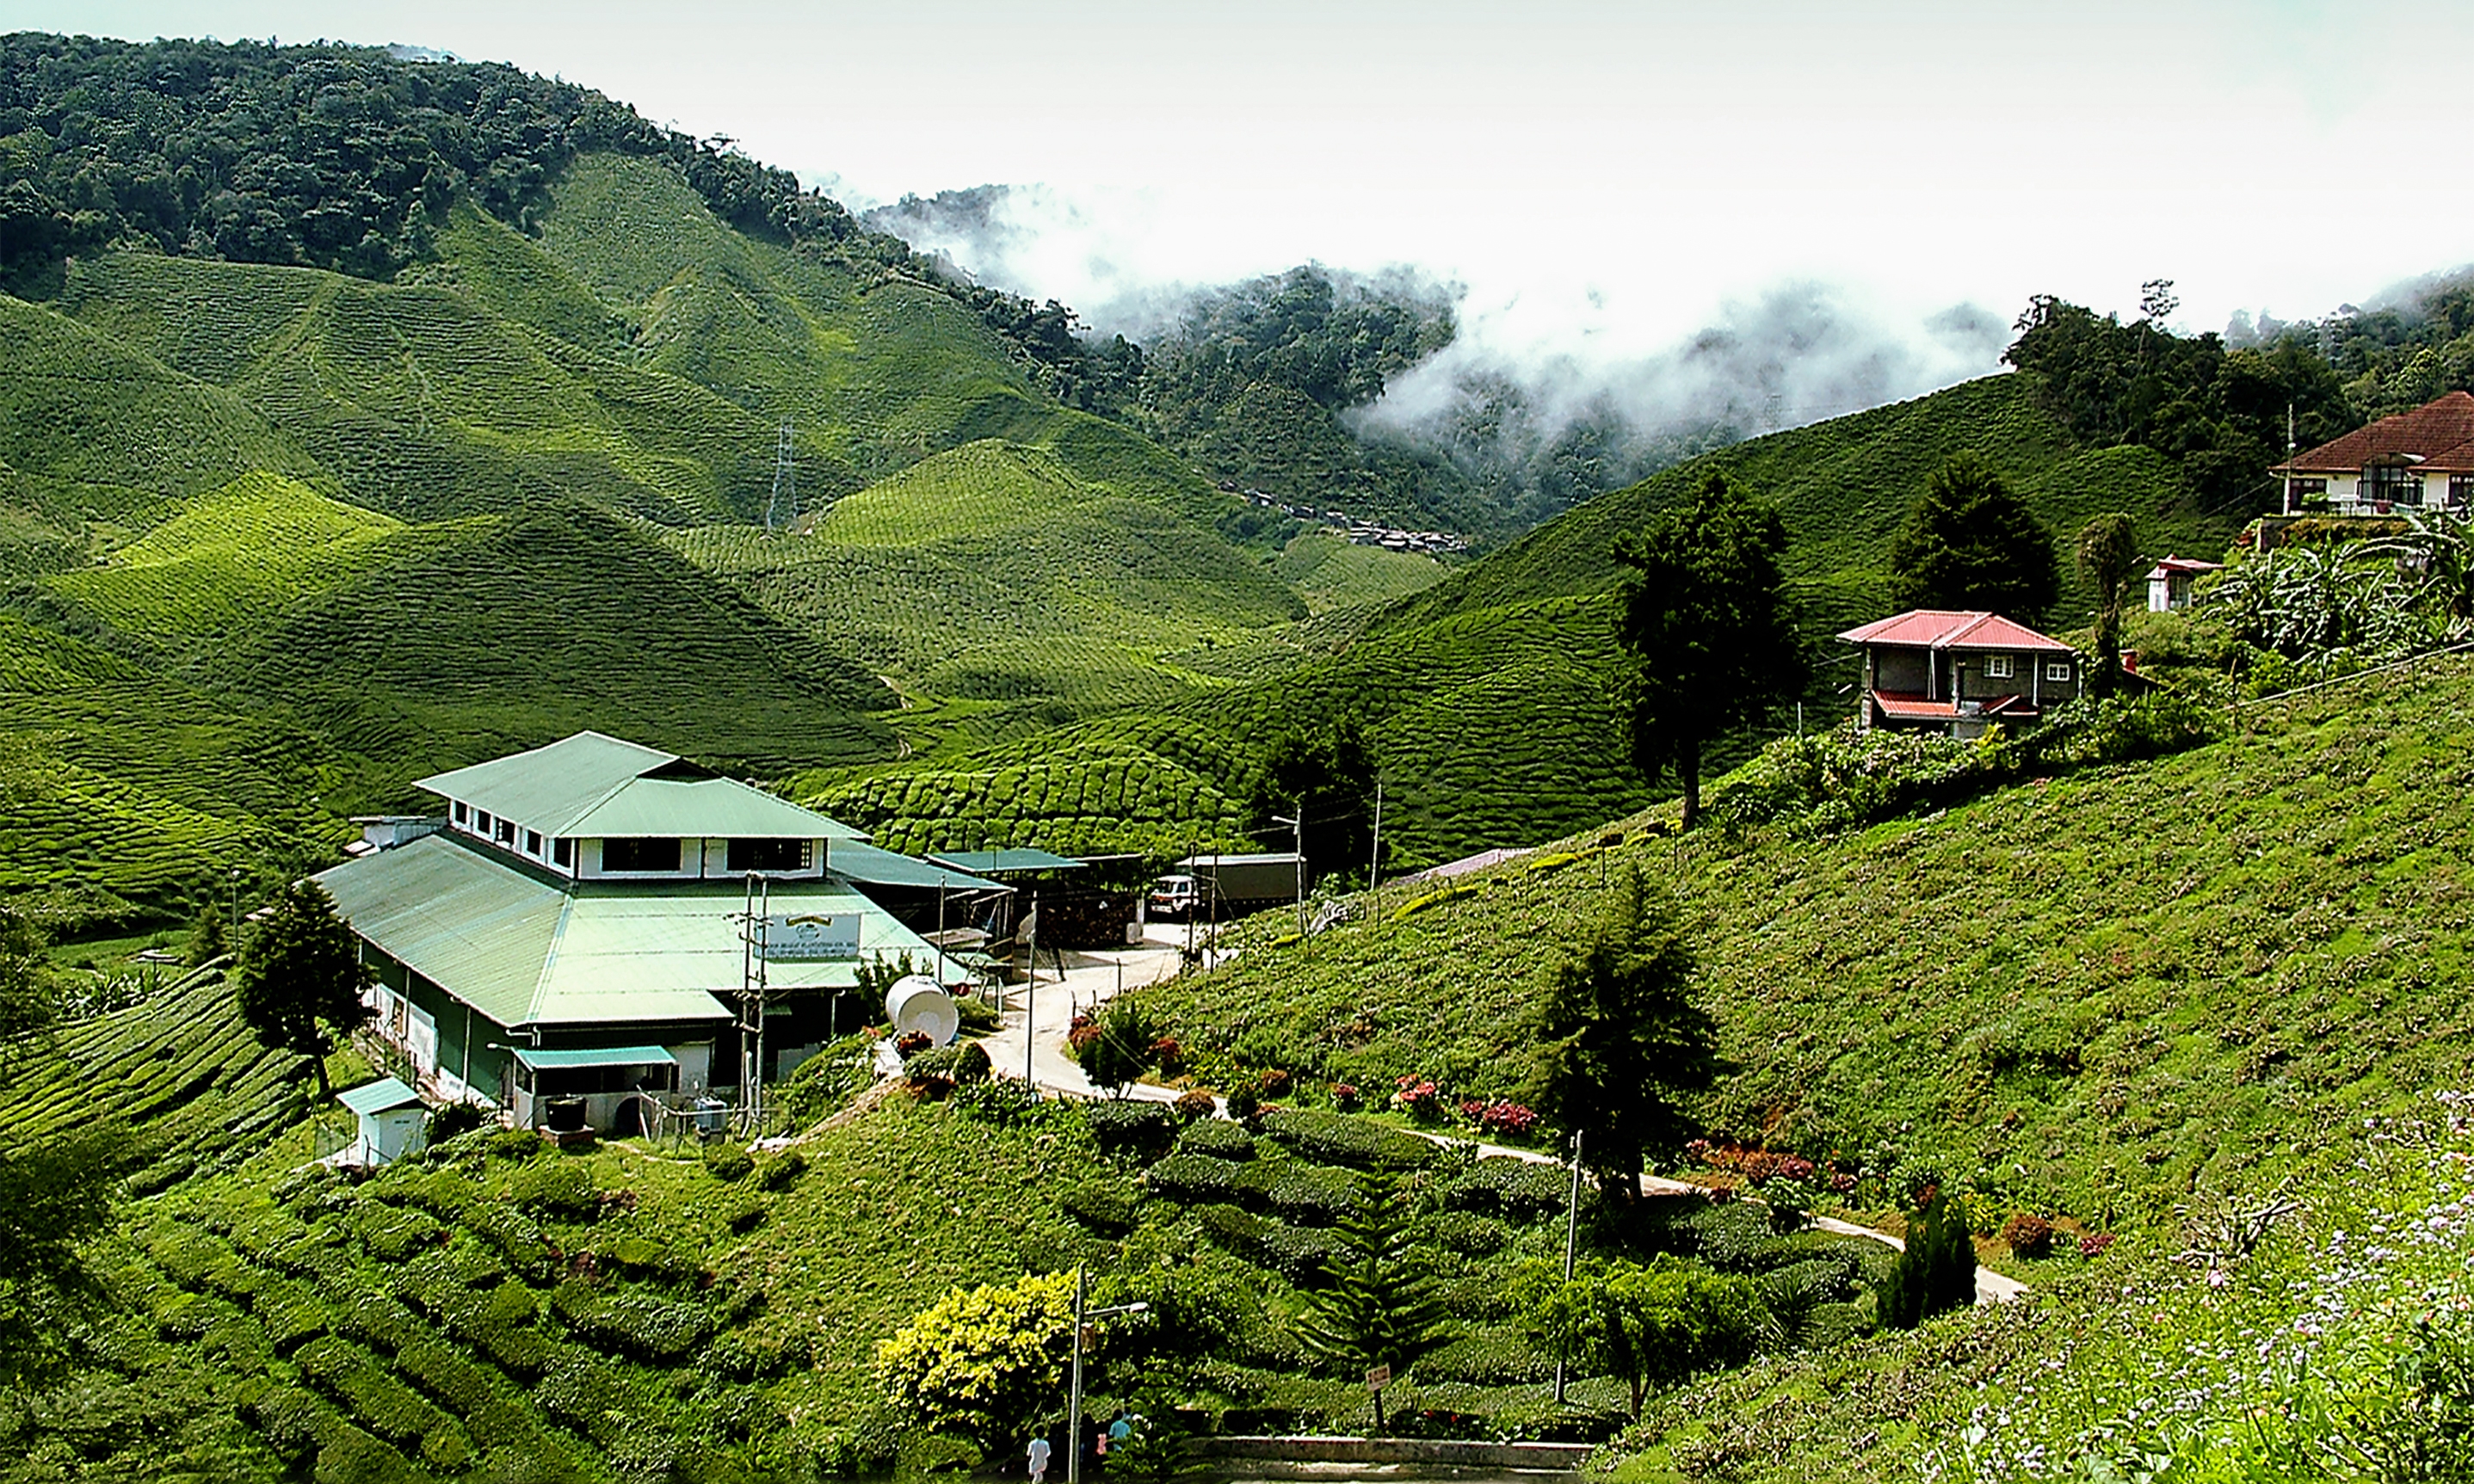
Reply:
x=1936 y=1272
x=1515 y=1189
x=1143 y=1130
x=1306 y=1195
x=2028 y=1236
x=1468 y=1233
x=982 y=1361
x=514 y=1235
x=631 y=1324
x=516 y=1145
x=556 y=1187
x=780 y=1171
x=1217 y=1138
x=728 y=1162
x=1193 y=1107
x=1299 y=1253
x=1244 y=1100
x=1194 y=1178
x=1497 y=1355
x=444 y=1373
x=1344 y=1096
x=1105 y=1205
x=450 y=1119
x=1004 y=1103
x=1420 y=1099
x=963 y=1062
x=1336 y=1138
x=910 y=1043
x=393 y=1236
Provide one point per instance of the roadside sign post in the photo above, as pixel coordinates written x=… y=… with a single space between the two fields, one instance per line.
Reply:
x=1376 y=1379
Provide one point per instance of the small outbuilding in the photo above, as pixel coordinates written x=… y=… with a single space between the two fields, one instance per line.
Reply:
x=394 y=1122
x=2171 y=581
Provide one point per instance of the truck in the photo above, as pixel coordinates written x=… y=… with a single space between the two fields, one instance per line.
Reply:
x=1225 y=886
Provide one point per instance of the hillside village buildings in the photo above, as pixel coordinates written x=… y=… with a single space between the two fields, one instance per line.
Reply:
x=2413 y=461
x=1939 y=670
x=569 y=935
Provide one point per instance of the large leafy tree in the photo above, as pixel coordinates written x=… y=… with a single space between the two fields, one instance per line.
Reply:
x=1651 y=1324
x=301 y=977
x=28 y=999
x=2108 y=551
x=1331 y=773
x=1708 y=633
x=1377 y=1304
x=1621 y=1044
x=1970 y=543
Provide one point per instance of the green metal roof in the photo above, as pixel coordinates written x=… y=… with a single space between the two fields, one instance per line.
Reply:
x=376 y=1097
x=866 y=863
x=595 y=787
x=521 y=950
x=595 y=1056
x=996 y=863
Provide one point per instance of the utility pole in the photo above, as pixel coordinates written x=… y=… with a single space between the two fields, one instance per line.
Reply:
x=1083 y=1314
x=752 y=925
x=1030 y=1001
x=1299 y=823
x=1571 y=1240
x=1374 y=857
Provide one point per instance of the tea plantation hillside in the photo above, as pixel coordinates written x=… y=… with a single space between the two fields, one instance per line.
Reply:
x=2078 y=997
x=1844 y=487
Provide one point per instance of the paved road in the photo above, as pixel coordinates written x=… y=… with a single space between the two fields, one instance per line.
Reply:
x=1091 y=978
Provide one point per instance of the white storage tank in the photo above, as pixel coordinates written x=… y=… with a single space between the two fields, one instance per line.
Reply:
x=919 y=1003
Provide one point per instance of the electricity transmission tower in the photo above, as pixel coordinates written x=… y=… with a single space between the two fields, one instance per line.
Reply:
x=781 y=510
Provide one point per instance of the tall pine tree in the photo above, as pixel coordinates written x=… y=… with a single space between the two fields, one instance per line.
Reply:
x=1970 y=543
x=300 y=979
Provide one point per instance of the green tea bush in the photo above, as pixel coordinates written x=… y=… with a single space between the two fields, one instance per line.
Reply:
x=288 y=1311
x=1108 y=1207
x=1139 y=1130
x=561 y=1188
x=824 y=1084
x=446 y=1447
x=1195 y=1178
x=728 y=1162
x=1008 y=1103
x=1513 y=1189
x=1295 y=1191
x=348 y=1455
x=448 y=1374
x=1297 y=1254
x=393 y=1234
x=631 y=1324
x=781 y=1171
x=963 y=1062
x=516 y=1145
x=1842 y=779
x=641 y=1256
x=582 y=1390
x=515 y=1237
x=1217 y=1138
x=1494 y=1355
x=1360 y=1143
x=1465 y=1232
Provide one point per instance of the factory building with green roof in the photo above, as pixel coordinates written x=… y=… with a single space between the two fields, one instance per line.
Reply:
x=569 y=939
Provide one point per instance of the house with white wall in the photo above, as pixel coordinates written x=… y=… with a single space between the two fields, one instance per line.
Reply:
x=2415 y=459
x=1959 y=672
x=574 y=935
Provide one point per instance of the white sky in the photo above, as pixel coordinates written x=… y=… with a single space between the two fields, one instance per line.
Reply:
x=1605 y=177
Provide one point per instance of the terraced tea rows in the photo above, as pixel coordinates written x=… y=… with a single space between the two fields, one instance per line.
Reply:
x=1086 y=799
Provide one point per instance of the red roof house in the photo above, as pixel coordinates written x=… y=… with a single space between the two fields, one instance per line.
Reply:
x=1959 y=672
x=2414 y=459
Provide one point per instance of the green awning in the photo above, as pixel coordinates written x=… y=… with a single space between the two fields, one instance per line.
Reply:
x=852 y=861
x=1005 y=862
x=378 y=1096
x=595 y=1056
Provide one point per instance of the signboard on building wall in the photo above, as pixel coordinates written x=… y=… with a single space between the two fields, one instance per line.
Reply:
x=802 y=936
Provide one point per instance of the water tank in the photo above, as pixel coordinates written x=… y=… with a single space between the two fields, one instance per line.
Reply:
x=919 y=1003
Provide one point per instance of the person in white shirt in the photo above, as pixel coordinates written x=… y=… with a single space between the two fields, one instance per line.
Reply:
x=1038 y=1461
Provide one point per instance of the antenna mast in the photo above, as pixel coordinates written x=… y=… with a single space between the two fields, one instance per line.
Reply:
x=781 y=510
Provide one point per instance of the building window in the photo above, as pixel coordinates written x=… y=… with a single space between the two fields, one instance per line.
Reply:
x=2393 y=484
x=2460 y=490
x=2308 y=489
x=639 y=854
x=1997 y=667
x=506 y=832
x=767 y=855
x=562 y=852
x=532 y=842
x=463 y=815
x=481 y=823
x=2059 y=670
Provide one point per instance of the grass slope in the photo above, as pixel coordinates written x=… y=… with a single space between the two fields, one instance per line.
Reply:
x=542 y=623
x=2081 y=998
x=1330 y=572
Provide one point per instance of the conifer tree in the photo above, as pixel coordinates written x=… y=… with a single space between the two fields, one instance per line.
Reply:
x=2108 y=554
x=1970 y=543
x=1935 y=1272
x=1621 y=1043
x=208 y=940
x=1377 y=1305
x=300 y=976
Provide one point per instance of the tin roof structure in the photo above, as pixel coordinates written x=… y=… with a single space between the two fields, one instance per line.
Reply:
x=592 y=786
x=1932 y=628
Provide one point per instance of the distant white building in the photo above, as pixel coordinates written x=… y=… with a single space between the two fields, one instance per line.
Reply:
x=2410 y=461
x=564 y=941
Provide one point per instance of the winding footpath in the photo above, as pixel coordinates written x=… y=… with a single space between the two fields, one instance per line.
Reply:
x=1091 y=978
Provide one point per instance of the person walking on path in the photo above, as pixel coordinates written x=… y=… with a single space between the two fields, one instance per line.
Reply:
x=1039 y=1461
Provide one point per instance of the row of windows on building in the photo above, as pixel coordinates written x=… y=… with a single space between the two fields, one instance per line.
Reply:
x=2003 y=667
x=655 y=855
x=2394 y=483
